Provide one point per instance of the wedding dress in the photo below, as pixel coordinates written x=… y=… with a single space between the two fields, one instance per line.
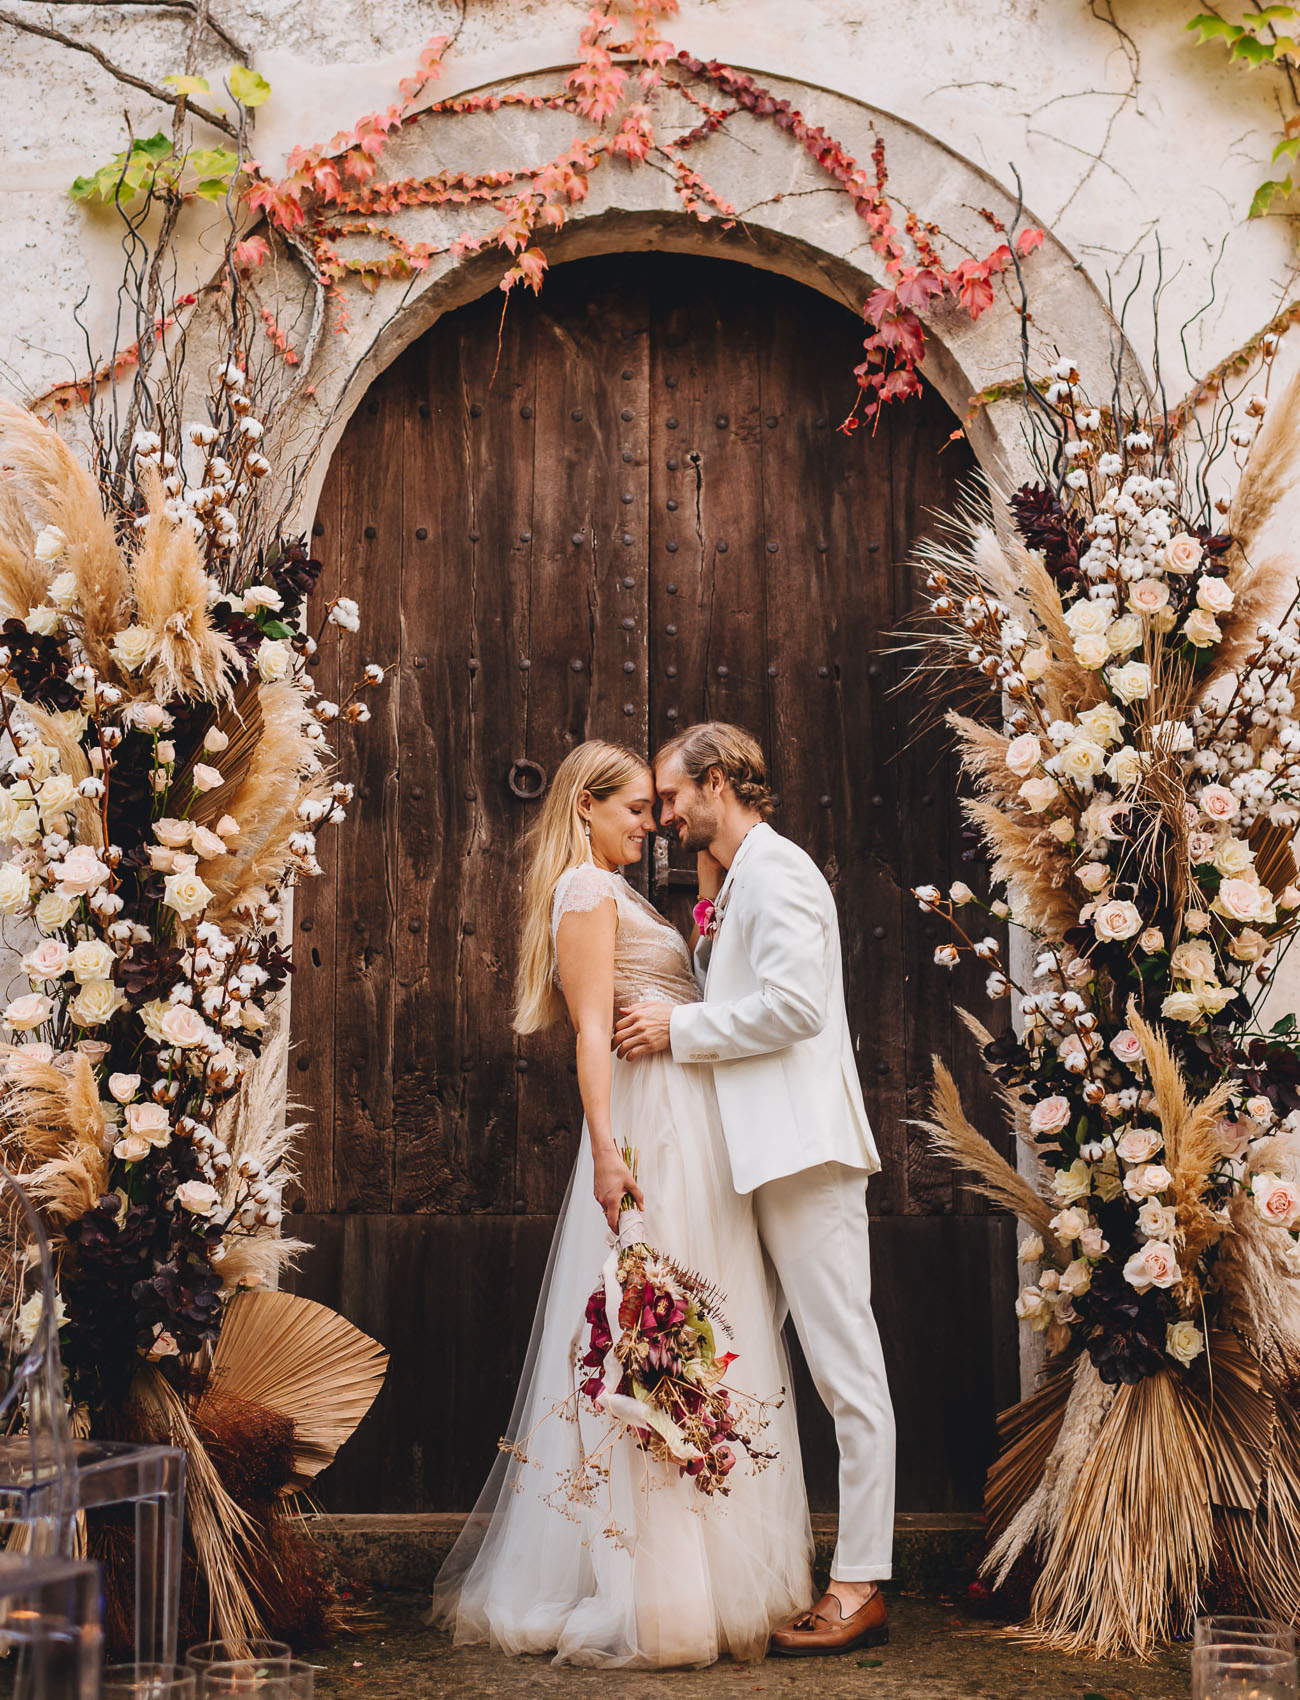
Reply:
x=647 y=1570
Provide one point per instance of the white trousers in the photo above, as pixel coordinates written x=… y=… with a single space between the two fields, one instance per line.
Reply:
x=814 y=1230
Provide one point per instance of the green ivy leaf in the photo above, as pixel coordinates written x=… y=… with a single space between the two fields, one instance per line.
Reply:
x=213 y=162
x=212 y=188
x=1210 y=26
x=1255 y=52
x=1266 y=194
x=250 y=88
x=1287 y=1024
x=155 y=147
x=1290 y=147
x=1275 y=14
x=188 y=85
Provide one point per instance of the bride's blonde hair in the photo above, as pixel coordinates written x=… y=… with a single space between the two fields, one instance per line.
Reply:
x=556 y=842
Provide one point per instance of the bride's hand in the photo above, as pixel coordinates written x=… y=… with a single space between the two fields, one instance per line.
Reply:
x=710 y=873
x=613 y=1179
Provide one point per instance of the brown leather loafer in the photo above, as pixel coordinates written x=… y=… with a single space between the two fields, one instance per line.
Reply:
x=824 y=1629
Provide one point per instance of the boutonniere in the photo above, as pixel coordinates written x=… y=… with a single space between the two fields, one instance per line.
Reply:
x=707 y=916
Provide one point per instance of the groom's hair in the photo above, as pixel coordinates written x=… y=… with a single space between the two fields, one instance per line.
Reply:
x=730 y=749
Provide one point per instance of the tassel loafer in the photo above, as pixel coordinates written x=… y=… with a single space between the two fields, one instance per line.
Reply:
x=825 y=1629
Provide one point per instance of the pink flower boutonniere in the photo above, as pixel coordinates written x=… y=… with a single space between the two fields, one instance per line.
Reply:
x=707 y=917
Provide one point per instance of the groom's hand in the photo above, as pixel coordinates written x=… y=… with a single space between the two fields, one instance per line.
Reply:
x=642 y=1029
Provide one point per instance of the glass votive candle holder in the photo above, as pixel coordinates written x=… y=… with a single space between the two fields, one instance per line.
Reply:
x=148 y=1682
x=292 y=1679
x=1240 y=1670
x=1221 y=1630
x=272 y=1654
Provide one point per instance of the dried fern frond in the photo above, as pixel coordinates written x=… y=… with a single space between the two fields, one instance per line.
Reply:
x=1122 y=1568
x=953 y=1136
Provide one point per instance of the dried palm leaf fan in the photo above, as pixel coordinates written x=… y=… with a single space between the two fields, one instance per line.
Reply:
x=1274 y=858
x=294 y=1356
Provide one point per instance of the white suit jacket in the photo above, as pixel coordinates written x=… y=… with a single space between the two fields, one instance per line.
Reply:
x=773 y=1021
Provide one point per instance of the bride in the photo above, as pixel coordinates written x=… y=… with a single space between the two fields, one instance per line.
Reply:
x=646 y=1570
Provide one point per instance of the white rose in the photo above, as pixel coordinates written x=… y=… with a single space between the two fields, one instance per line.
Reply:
x=1183 y=554
x=1124 y=634
x=1031 y=1248
x=47 y=962
x=15 y=889
x=181 y=1026
x=1239 y=900
x=63 y=590
x=131 y=647
x=1092 y=876
x=186 y=894
x=1151 y=939
x=151 y=1015
x=1087 y=618
x=1155 y=1265
x=1073 y=1183
x=1131 y=682
x=123 y=1086
x=1196 y=920
x=1233 y=858
x=1116 y=920
x=1276 y=1200
x=206 y=778
x=1024 y=754
x=150 y=1121
x=1091 y=651
x=50 y=544
x=1184 y=1341
x=26 y=828
x=174 y=834
x=1081 y=760
x=1214 y=595
x=1193 y=960
x=1049 y=1115
x=1103 y=723
x=1125 y=767
x=1148 y=595
x=58 y=794
x=197 y=1197
x=1068 y=1224
x=208 y=844
x=1201 y=629
x=44 y=621
x=1181 y=1006
x=1033 y=1308
x=215 y=740
x=1138 y=1144
x=29 y=1011
x=1156 y=1221
x=54 y=911
x=96 y=1002
x=92 y=959
x=274 y=659
x=262 y=596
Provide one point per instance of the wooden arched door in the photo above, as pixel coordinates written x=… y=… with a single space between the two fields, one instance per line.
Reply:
x=632 y=513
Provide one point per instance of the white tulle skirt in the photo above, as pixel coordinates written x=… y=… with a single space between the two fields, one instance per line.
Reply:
x=648 y=1570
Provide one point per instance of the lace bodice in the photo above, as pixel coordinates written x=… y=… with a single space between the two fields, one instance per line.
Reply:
x=651 y=961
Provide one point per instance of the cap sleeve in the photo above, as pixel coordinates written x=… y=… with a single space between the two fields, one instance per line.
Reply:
x=582 y=888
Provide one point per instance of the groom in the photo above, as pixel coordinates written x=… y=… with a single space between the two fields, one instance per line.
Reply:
x=774 y=1026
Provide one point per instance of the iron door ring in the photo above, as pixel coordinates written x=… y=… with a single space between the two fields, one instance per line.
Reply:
x=527 y=779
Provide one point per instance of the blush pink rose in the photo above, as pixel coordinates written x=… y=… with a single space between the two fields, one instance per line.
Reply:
x=1218 y=802
x=1049 y=1115
x=1277 y=1201
x=1183 y=554
x=1155 y=1265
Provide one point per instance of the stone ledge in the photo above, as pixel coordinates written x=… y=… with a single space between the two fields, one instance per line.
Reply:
x=404 y=1550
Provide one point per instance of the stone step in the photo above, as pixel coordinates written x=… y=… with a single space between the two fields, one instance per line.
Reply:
x=932 y=1550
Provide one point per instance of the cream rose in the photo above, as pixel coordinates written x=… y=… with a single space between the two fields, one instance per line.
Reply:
x=80 y=872
x=198 y=1197
x=54 y=911
x=1076 y=1278
x=1181 y=1006
x=1068 y=1224
x=1035 y=662
x=1117 y=920
x=186 y=894
x=1091 y=651
x=1196 y=921
x=1039 y=793
x=27 y=1012
x=1124 y=634
x=1200 y=848
x=1087 y=618
x=1248 y=946
x=131 y=647
x=1131 y=682
x=131 y=1148
x=174 y=834
x=96 y=1002
x=1049 y=1115
x=123 y=1087
x=1024 y=754
x=1081 y=760
x=1138 y=1144
x=215 y=740
x=1214 y=595
x=44 y=621
x=1151 y=939
x=51 y=544
x=1217 y=802
x=1125 y=767
x=1234 y=858
x=182 y=1026
x=1074 y=1183
x=1193 y=960
x=92 y=959
x=205 y=778
x=1239 y=900
x=208 y=844
x=48 y=961
x=1155 y=1265
x=1092 y=876
x=274 y=659
x=1277 y=1201
x=1103 y=723
x=1145 y=1180
x=1183 y=555
x=151 y=1015
x=1148 y=595
x=150 y=1121
x=15 y=888
x=1031 y=1248
x=1184 y=1341
x=1033 y=1308
x=1201 y=629
x=58 y=795
x=1156 y=1221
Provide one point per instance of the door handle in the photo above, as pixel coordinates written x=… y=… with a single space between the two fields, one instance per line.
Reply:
x=526 y=779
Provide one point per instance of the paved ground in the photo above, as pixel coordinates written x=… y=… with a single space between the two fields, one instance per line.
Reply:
x=937 y=1651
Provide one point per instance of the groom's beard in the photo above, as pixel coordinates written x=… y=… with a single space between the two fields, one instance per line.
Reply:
x=697 y=833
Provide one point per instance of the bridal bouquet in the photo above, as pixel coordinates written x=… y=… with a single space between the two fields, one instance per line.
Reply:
x=164 y=777
x=661 y=1378
x=1138 y=810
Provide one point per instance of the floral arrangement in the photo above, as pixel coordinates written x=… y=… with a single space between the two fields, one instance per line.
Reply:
x=662 y=1378
x=1137 y=811
x=165 y=775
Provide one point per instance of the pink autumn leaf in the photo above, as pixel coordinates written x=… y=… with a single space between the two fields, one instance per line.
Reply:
x=1028 y=240
x=251 y=252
